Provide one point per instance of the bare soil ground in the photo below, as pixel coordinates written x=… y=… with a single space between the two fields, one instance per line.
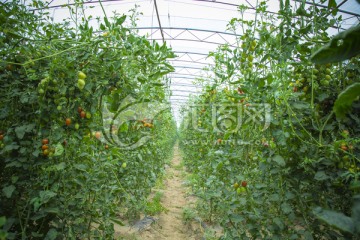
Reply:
x=170 y=224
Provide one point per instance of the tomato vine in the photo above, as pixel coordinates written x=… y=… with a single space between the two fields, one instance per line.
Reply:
x=298 y=155
x=59 y=176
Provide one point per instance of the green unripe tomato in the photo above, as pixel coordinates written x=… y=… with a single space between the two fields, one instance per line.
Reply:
x=253 y=43
x=325 y=83
x=44 y=81
x=81 y=84
x=123 y=165
x=240 y=190
x=88 y=115
x=59 y=108
x=81 y=75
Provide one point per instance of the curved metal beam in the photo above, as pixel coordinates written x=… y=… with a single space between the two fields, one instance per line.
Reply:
x=188 y=29
x=185 y=74
x=186 y=96
x=193 y=62
x=71 y=4
x=188 y=67
x=195 y=53
x=192 y=40
x=175 y=77
x=184 y=90
x=186 y=85
x=189 y=92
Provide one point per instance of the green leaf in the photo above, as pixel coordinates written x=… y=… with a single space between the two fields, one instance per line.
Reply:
x=8 y=191
x=279 y=223
x=37 y=235
x=52 y=210
x=120 y=20
x=10 y=147
x=124 y=127
x=321 y=176
x=274 y=197
x=158 y=84
x=60 y=166
x=36 y=203
x=300 y=105
x=332 y=4
x=236 y=218
x=345 y=99
x=117 y=221
x=355 y=185
x=81 y=167
x=269 y=78
x=355 y=212
x=102 y=27
x=279 y=160
x=107 y=23
x=45 y=196
x=20 y=131
x=286 y=208
x=2 y=221
x=301 y=11
x=51 y=234
x=59 y=149
x=306 y=29
x=335 y=219
x=14 y=179
x=343 y=46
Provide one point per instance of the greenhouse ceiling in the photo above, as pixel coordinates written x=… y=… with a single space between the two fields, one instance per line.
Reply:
x=193 y=28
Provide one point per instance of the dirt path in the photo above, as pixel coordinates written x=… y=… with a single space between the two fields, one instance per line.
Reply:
x=170 y=224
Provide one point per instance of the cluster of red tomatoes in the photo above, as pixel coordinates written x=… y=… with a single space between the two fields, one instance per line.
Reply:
x=45 y=146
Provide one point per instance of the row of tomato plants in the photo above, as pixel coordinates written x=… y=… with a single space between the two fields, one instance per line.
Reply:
x=60 y=174
x=269 y=155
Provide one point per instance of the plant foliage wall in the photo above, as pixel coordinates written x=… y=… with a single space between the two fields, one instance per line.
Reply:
x=291 y=169
x=60 y=175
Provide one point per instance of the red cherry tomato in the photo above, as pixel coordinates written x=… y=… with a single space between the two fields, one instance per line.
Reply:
x=68 y=122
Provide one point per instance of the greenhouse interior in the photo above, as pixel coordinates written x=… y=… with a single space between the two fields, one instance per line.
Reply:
x=180 y=119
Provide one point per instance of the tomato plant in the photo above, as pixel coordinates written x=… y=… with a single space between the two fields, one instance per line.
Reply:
x=58 y=181
x=278 y=128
